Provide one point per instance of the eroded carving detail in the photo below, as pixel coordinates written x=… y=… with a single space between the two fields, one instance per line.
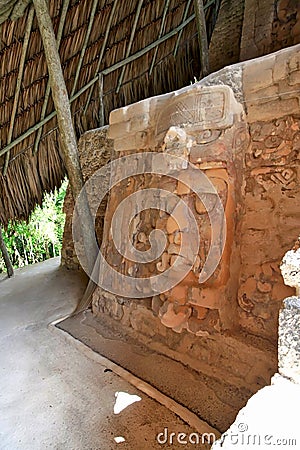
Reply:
x=204 y=126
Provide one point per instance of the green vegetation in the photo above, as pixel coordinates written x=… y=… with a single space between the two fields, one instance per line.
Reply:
x=41 y=237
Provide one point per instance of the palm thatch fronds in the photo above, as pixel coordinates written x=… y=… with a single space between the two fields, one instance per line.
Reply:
x=140 y=48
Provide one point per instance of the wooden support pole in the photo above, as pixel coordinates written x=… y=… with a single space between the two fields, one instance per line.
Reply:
x=65 y=124
x=9 y=267
x=18 y=85
x=136 y=19
x=63 y=14
x=60 y=97
x=202 y=36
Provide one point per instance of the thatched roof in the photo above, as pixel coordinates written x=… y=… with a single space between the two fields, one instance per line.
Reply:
x=94 y=37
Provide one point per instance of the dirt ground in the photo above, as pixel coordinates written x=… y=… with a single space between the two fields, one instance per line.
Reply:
x=54 y=397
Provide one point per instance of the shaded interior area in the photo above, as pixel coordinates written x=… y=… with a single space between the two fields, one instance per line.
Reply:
x=185 y=114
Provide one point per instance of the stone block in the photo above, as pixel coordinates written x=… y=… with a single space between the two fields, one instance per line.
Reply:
x=156 y=304
x=144 y=321
x=289 y=339
x=294 y=78
x=273 y=109
x=118 y=130
x=172 y=225
x=280 y=70
x=294 y=61
x=139 y=122
x=175 y=319
x=280 y=291
x=117 y=115
x=130 y=113
x=138 y=109
x=182 y=189
x=125 y=144
x=258 y=74
x=179 y=294
x=95 y=151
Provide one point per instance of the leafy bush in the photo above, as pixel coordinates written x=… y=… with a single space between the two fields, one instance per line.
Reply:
x=41 y=237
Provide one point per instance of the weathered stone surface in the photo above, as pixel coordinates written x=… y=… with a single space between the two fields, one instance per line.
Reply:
x=267 y=28
x=289 y=339
x=95 y=150
x=248 y=29
x=249 y=149
x=182 y=188
x=143 y=321
x=269 y=161
x=224 y=47
x=267 y=85
x=259 y=74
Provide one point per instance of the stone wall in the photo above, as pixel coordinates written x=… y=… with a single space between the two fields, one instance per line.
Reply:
x=95 y=150
x=225 y=45
x=247 y=29
x=271 y=186
x=269 y=26
x=261 y=418
x=241 y=128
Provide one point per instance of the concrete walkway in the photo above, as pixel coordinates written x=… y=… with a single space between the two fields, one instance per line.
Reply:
x=51 y=395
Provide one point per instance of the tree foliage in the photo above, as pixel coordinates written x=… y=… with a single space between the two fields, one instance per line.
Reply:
x=41 y=237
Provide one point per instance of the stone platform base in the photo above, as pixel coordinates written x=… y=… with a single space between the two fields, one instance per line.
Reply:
x=213 y=400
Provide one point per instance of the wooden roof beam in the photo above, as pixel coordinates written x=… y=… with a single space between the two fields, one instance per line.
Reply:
x=136 y=19
x=63 y=15
x=185 y=14
x=202 y=36
x=101 y=104
x=18 y=85
x=85 y=44
x=103 y=47
x=161 y=31
x=94 y=80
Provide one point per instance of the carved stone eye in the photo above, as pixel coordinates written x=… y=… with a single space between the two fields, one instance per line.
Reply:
x=206 y=136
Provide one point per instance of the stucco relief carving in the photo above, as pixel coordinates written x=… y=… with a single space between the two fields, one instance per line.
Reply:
x=206 y=127
x=252 y=159
x=272 y=190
